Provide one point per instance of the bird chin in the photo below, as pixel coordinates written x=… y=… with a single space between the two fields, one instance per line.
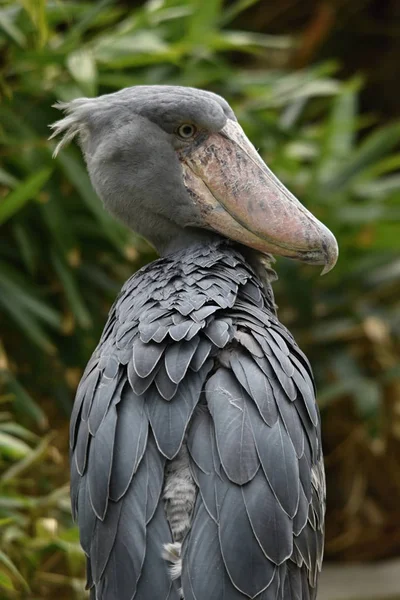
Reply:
x=239 y=197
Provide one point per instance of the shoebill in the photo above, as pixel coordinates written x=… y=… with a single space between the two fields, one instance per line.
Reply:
x=196 y=462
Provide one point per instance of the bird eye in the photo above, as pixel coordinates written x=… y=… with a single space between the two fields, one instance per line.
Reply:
x=186 y=131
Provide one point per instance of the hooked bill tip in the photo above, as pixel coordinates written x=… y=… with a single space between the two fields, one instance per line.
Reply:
x=331 y=251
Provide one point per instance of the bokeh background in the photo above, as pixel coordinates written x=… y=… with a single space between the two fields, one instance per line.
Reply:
x=316 y=87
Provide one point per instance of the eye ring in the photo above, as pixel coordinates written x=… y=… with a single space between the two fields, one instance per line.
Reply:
x=186 y=131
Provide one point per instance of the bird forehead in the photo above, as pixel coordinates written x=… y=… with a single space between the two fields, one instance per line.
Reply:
x=171 y=105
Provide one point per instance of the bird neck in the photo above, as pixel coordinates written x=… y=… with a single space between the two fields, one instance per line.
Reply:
x=184 y=239
x=188 y=241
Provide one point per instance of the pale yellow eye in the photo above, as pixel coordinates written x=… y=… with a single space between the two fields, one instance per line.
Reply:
x=186 y=131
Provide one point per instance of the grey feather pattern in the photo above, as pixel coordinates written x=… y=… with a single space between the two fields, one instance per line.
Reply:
x=146 y=356
x=271 y=525
x=249 y=569
x=155 y=581
x=178 y=357
x=256 y=384
x=169 y=420
x=227 y=403
x=129 y=443
x=86 y=516
x=193 y=347
x=101 y=457
x=165 y=386
x=201 y=354
x=279 y=463
x=202 y=554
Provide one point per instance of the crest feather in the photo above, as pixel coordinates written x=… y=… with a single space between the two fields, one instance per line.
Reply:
x=74 y=123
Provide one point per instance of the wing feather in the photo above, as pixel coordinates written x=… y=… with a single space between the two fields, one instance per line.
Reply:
x=101 y=457
x=155 y=580
x=146 y=356
x=178 y=357
x=128 y=550
x=169 y=420
x=256 y=384
x=279 y=462
x=130 y=441
x=248 y=567
x=271 y=526
x=202 y=554
x=228 y=406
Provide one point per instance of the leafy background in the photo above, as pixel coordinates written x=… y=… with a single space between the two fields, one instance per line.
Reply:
x=292 y=74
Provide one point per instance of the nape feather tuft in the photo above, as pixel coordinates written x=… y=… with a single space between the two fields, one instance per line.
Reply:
x=74 y=123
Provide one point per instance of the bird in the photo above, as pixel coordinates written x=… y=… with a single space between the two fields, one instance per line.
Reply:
x=195 y=439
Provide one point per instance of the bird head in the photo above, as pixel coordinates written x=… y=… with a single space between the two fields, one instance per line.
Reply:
x=168 y=160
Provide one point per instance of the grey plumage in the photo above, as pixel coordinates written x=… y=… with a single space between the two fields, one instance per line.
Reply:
x=254 y=450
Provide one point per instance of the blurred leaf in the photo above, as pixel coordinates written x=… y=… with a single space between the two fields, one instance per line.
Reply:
x=82 y=67
x=24 y=191
x=373 y=148
x=7 y=178
x=143 y=47
x=37 y=12
x=379 y=188
x=231 y=12
x=6 y=562
x=27 y=246
x=75 y=299
x=7 y=24
x=26 y=321
x=86 y=19
x=12 y=447
x=27 y=461
x=367 y=394
x=6 y=581
x=203 y=21
x=242 y=40
x=17 y=430
x=11 y=285
x=339 y=135
x=23 y=402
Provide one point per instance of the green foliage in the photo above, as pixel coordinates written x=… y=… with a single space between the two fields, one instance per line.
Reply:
x=63 y=259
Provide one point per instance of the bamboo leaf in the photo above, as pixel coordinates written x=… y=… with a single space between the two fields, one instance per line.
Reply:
x=26 y=190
